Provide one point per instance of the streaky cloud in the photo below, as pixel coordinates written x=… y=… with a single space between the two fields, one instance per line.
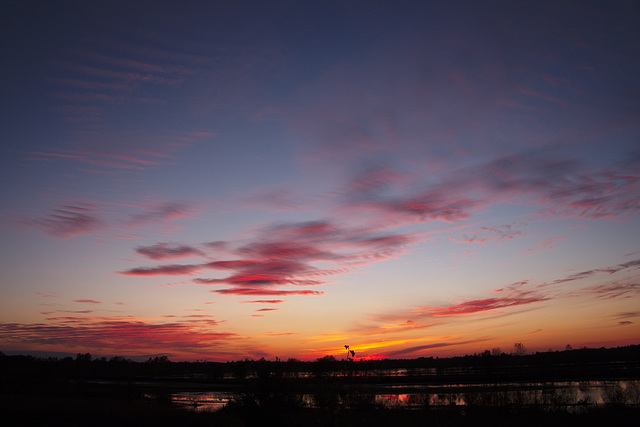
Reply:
x=67 y=222
x=265 y=301
x=478 y=306
x=417 y=349
x=116 y=335
x=167 y=211
x=265 y=292
x=163 y=270
x=166 y=251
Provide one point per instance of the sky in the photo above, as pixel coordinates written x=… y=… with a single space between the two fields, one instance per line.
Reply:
x=243 y=179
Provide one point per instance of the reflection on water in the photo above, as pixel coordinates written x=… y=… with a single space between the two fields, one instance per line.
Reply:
x=555 y=395
x=202 y=401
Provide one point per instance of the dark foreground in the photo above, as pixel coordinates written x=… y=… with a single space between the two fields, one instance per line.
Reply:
x=496 y=390
x=34 y=410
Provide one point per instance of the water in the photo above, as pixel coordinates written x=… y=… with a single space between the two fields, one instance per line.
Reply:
x=201 y=400
x=413 y=396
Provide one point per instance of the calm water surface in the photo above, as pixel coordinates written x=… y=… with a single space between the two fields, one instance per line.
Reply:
x=590 y=393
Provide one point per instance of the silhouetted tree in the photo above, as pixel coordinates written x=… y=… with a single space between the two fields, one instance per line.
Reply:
x=350 y=353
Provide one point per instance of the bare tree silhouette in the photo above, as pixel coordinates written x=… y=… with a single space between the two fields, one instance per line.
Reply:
x=350 y=353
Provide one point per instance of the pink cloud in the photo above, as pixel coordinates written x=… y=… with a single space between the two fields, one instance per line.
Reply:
x=87 y=301
x=513 y=286
x=614 y=290
x=97 y=158
x=164 y=251
x=69 y=221
x=48 y=294
x=477 y=306
x=545 y=245
x=414 y=351
x=437 y=203
x=287 y=255
x=163 y=270
x=634 y=264
x=167 y=211
x=491 y=234
x=265 y=301
x=560 y=185
x=264 y=292
x=81 y=218
x=115 y=335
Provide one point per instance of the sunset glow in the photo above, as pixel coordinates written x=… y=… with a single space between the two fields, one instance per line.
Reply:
x=231 y=180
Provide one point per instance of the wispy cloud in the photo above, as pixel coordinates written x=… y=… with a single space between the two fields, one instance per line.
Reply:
x=518 y=294
x=167 y=211
x=491 y=234
x=165 y=251
x=68 y=221
x=265 y=301
x=559 y=185
x=634 y=264
x=163 y=270
x=417 y=350
x=82 y=218
x=265 y=292
x=290 y=254
x=477 y=306
x=115 y=335
x=545 y=245
x=87 y=301
x=104 y=159
x=615 y=290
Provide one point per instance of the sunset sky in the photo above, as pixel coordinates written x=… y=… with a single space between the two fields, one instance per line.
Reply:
x=227 y=180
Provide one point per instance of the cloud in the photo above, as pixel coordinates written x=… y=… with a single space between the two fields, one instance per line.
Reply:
x=68 y=221
x=268 y=309
x=167 y=211
x=403 y=326
x=411 y=351
x=634 y=264
x=163 y=270
x=290 y=254
x=309 y=253
x=87 y=301
x=477 y=306
x=164 y=251
x=81 y=218
x=48 y=294
x=265 y=301
x=627 y=315
x=561 y=185
x=265 y=292
x=491 y=234
x=545 y=245
x=115 y=335
x=102 y=159
x=513 y=286
x=436 y=203
x=615 y=290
